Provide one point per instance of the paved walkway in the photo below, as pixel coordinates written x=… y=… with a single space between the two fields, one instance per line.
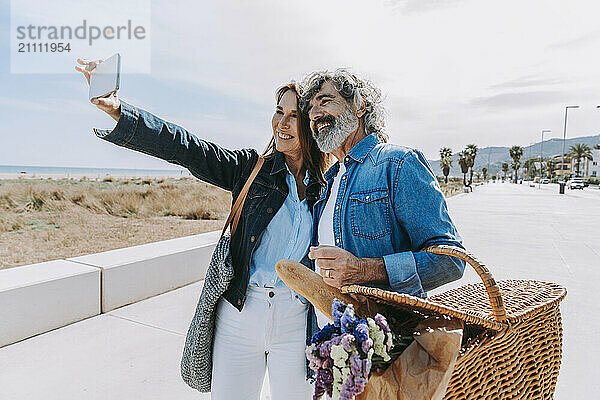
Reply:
x=519 y=231
x=524 y=232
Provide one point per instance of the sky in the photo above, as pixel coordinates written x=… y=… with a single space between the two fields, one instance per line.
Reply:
x=452 y=72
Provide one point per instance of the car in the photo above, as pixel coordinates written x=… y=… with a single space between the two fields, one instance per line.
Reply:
x=575 y=184
x=545 y=181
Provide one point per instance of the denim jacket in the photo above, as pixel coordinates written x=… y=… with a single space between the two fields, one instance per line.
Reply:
x=140 y=130
x=390 y=205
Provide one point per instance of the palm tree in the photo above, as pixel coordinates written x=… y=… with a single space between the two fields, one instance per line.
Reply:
x=504 y=169
x=471 y=153
x=445 y=161
x=551 y=164
x=530 y=165
x=516 y=152
x=484 y=171
x=578 y=152
x=464 y=166
x=515 y=165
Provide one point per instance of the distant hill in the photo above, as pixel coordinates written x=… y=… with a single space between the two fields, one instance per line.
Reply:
x=498 y=155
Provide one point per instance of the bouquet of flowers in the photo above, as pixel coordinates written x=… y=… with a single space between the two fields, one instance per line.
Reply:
x=343 y=354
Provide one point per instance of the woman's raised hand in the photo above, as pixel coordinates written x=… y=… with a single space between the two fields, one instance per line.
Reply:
x=110 y=104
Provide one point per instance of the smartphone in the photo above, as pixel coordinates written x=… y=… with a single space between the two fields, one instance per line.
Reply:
x=106 y=77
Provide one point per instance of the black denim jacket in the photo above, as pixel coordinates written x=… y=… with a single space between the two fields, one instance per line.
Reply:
x=140 y=130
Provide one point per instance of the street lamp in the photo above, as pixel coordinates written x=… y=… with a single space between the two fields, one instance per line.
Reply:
x=489 y=154
x=542 y=156
x=562 y=159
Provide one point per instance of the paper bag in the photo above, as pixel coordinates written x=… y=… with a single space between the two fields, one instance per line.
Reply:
x=423 y=370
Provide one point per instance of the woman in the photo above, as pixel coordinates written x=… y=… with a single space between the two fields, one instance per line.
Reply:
x=260 y=323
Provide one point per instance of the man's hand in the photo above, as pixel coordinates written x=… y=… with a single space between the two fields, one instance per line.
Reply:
x=340 y=267
x=109 y=104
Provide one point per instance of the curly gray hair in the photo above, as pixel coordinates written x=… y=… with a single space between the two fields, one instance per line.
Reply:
x=354 y=90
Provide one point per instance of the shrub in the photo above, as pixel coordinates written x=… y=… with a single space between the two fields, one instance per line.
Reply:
x=35 y=202
x=57 y=195
x=78 y=198
x=593 y=180
x=11 y=224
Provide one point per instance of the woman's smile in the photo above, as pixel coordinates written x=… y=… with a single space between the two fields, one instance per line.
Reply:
x=284 y=136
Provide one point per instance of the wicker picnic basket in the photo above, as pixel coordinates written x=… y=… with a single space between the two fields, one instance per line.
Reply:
x=515 y=343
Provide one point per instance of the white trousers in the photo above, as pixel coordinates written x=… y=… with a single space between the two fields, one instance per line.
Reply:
x=268 y=335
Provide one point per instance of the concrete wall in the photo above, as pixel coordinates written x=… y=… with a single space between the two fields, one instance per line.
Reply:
x=38 y=298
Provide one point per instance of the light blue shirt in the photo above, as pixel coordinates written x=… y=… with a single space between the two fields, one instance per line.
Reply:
x=288 y=236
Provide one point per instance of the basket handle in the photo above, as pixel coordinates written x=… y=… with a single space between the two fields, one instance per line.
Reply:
x=484 y=273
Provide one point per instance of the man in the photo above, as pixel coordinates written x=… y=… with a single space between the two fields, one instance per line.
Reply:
x=382 y=204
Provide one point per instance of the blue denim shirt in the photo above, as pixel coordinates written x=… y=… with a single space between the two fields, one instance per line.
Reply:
x=287 y=236
x=390 y=205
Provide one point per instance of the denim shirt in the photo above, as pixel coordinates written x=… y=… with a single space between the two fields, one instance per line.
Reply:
x=390 y=206
x=287 y=236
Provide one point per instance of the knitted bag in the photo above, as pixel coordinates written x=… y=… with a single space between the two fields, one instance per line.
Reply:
x=196 y=362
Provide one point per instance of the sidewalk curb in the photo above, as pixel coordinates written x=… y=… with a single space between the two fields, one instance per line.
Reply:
x=41 y=297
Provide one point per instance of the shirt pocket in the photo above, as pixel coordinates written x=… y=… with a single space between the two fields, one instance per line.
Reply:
x=256 y=195
x=370 y=213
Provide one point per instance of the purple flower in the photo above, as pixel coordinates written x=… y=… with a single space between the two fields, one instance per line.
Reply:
x=319 y=391
x=324 y=377
x=361 y=330
x=366 y=345
x=324 y=348
x=359 y=384
x=337 y=309
x=347 y=340
x=324 y=334
x=323 y=382
x=345 y=372
x=336 y=340
x=351 y=387
x=359 y=367
x=348 y=319
x=382 y=323
x=314 y=361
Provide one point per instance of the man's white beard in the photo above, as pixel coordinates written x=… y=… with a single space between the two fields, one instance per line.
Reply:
x=344 y=126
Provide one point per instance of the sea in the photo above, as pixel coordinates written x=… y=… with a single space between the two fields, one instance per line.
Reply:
x=91 y=172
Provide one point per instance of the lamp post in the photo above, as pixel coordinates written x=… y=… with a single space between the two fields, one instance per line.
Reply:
x=542 y=156
x=562 y=159
x=489 y=154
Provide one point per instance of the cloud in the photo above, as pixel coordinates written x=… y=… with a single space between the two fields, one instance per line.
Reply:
x=419 y=6
x=579 y=41
x=518 y=100
x=526 y=82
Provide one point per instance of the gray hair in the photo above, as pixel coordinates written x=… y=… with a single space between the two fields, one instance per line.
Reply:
x=355 y=91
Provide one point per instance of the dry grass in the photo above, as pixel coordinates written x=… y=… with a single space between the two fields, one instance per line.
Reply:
x=452 y=188
x=42 y=219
